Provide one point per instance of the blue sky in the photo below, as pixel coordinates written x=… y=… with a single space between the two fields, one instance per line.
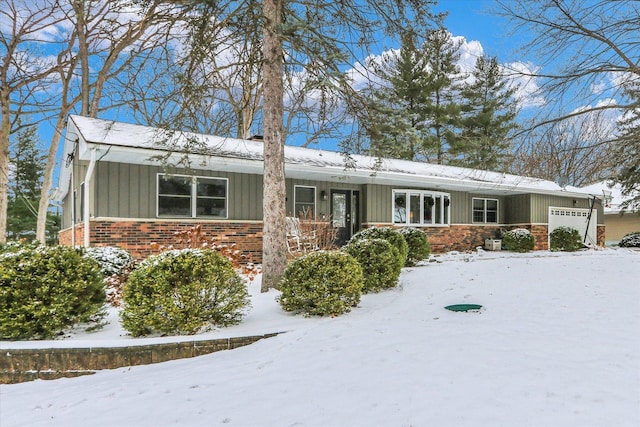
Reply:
x=473 y=20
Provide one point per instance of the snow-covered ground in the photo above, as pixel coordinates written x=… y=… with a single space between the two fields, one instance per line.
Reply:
x=556 y=344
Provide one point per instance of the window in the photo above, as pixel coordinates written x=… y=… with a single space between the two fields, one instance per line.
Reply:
x=304 y=201
x=191 y=197
x=485 y=210
x=420 y=208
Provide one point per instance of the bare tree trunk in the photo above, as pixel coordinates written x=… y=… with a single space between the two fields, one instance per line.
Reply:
x=274 y=251
x=43 y=207
x=5 y=132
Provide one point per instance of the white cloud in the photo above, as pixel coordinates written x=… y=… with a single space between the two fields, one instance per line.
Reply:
x=521 y=75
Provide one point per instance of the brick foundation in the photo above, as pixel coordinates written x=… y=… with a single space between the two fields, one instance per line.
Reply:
x=469 y=237
x=137 y=236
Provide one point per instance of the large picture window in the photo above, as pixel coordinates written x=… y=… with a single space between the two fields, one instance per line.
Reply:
x=304 y=201
x=192 y=196
x=485 y=211
x=420 y=208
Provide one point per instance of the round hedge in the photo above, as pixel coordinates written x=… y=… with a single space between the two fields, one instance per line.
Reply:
x=323 y=283
x=379 y=261
x=183 y=292
x=44 y=290
x=387 y=233
x=565 y=239
x=631 y=240
x=418 y=244
x=518 y=240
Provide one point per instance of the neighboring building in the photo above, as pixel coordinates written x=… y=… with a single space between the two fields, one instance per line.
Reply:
x=115 y=191
x=618 y=221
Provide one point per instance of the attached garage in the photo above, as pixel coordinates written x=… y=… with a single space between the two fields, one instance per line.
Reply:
x=576 y=218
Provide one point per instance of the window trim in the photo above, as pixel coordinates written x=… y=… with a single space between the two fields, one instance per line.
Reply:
x=484 y=210
x=193 y=196
x=315 y=198
x=445 y=211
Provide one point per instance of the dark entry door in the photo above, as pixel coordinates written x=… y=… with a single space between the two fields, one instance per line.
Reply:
x=344 y=214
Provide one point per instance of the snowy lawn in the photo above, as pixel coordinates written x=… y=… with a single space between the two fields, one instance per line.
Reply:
x=557 y=344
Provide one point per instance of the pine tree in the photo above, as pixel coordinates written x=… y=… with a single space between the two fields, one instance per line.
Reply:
x=28 y=165
x=442 y=53
x=488 y=117
x=413 y=114
x=396 y=121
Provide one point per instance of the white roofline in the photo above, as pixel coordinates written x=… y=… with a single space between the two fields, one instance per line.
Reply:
x=126 y=143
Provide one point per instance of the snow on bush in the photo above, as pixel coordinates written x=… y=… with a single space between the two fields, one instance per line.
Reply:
x=379 y=261
x=387 y=233
x=631 y=240
x=183 y=292
x=418 y=243
x=112 y=260
x=44 y=290
x=323 y=283
x=518 y=240
x=565 y=239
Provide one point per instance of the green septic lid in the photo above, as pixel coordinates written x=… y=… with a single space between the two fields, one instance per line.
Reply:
x=464 y=307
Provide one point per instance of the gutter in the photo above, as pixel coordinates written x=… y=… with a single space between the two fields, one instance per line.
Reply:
x=87 y=192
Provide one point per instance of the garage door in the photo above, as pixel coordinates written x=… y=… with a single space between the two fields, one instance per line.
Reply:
x=576 y=218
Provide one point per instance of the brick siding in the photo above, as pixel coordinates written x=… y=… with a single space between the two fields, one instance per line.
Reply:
x=138 y=237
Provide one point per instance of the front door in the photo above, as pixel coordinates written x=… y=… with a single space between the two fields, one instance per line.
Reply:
x=344 y=214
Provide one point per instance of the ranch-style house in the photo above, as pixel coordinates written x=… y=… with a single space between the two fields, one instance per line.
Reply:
x=130 y=186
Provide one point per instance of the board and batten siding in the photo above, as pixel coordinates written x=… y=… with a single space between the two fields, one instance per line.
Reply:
x=378 y=204
x=540 y=204
x=517 y=209
x=130 y=191
x=323 y=207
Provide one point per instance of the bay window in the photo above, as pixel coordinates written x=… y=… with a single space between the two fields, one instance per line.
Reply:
x=420 y=207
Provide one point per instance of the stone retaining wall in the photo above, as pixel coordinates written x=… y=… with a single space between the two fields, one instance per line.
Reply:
x=19 y=365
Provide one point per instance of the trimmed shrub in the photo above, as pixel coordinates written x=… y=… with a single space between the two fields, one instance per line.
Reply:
x=418 y=244
x=379 y=261
x=323 y=283
x=183 y=292
x=631 y=240
x=112 y=260
x=518 y=240
x=565 y=239
x=387 y=233
x=44 y=290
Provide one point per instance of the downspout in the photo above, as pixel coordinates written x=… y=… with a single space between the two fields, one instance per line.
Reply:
x=586 y=233
x=87 y=192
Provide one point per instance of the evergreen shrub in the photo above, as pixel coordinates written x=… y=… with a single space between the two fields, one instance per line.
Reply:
x=44 y=290
x=565 y=239
x=323 y=283
x=183 y=292
x=631 y=240
x=387 y=233
x=518 y=240
x=379 y=261
x=418 y=244
x=112 y=260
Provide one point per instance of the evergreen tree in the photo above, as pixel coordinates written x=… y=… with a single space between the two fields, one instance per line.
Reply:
x=413 y=113
x=396 y=118
x=28 y=164
x=488 y=117
x=627 y=152
x=442 y=53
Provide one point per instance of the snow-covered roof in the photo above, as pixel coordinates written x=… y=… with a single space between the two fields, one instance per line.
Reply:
x=128 y=143
x=617 y=198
